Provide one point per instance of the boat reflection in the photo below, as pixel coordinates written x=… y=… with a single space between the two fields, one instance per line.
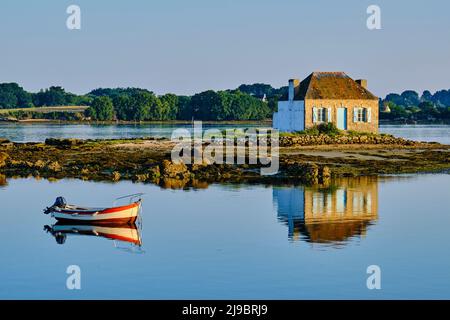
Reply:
x=332 y=214
x=126 y=237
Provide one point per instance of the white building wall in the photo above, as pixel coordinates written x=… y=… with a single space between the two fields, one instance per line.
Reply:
x=290 y=116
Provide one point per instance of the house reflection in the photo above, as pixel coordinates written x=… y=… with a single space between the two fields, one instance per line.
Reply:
x=328 y=215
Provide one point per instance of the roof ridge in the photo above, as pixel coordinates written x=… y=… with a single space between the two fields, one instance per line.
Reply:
x=328 y=72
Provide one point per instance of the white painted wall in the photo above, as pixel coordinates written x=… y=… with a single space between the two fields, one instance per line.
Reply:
x=290 y=116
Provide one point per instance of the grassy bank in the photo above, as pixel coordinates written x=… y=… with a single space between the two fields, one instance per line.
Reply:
x=45 y=109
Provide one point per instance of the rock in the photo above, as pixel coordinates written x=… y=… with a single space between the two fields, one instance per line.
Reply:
x=15 y=163
x=3 y=157
x=39 y=164
x=62 y=142
x=54 y=166
x=207 y=161
x=154 y=172
x=200 y=167
x=21 y=164
x=115 y=176
x=7 y=145
x=140 y=177
x=174 y=170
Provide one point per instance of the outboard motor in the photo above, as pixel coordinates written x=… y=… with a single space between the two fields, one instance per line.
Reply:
x=60 y=202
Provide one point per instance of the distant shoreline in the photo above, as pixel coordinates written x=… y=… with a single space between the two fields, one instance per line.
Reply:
x=409 y=122
x=229 y=122
x=267 y=122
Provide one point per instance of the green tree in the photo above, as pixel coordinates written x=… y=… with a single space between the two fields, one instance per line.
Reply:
x=123 y=105
x=143 y=103
x=14 y=96
x=228 y=105
x=169 y=105
x=53 y=96
x=101 y=109
x=426 y=96
x=410 y=98
x=205 y=105
x=428 y=109
x=442 y=98
x=184 y=110
x=7 y=100
x=395 y=99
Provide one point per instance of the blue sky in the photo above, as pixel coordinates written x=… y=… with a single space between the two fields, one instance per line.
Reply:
x=190 y=46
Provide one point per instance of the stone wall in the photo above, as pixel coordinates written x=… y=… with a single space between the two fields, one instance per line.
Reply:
x=323 y=139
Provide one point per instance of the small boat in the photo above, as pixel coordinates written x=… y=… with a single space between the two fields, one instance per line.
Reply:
x=125 y=214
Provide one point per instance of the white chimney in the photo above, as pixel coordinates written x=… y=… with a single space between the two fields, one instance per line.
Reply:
x=293 y=88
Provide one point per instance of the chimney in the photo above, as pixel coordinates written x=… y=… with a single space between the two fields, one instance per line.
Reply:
x=294 y=85
x=362 y=83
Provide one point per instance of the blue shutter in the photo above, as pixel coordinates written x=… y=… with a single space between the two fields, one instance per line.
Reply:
x=329 y=115
x=369 y=115
x=355 y=114
x=314 y=114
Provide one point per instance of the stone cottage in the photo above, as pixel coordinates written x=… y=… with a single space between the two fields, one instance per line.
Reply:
x=327 y=97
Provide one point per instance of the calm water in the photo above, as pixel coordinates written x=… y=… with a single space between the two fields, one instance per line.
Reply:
x=235 y=241
x=39 y=132
x=429 y=133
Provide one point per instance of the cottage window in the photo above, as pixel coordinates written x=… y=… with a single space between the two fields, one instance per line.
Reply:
x=321 y=115
x=362 y=115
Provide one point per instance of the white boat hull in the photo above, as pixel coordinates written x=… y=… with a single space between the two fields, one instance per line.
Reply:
x=115 y=215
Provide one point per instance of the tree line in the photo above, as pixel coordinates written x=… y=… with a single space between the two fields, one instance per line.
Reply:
x=410 y=106
x=134 y=104
x=247 y=102
x=13 y=96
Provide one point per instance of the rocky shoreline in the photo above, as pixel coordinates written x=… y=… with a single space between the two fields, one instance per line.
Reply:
x=302 y=159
